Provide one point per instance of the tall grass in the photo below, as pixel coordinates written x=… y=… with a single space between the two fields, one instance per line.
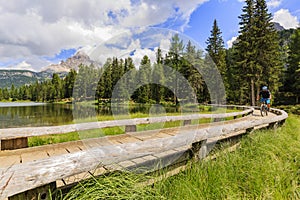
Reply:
x=118 y=185
x=266 y=166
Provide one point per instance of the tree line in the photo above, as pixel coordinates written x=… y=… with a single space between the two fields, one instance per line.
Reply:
x=260 y=56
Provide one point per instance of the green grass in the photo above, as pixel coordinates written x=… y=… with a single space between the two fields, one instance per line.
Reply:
x=295 y=109
x=266 y=166
x=118 y=185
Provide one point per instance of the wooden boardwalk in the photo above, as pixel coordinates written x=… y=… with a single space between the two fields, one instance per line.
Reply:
x=46 y=164
x=9 y=158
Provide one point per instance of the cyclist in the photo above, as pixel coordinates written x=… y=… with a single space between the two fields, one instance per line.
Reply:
x=265 y=96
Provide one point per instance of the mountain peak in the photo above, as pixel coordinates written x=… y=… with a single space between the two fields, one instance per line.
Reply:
x=278 y=26
x=71 y=63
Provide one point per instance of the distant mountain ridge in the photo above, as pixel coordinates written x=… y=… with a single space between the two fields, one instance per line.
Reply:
x=22 y=77
x=17 y=78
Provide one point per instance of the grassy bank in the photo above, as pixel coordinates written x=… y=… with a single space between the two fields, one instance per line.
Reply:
x=266 y=166
x=295 y=109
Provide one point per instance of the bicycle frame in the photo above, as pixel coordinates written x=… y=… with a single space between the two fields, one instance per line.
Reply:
x=264 y=109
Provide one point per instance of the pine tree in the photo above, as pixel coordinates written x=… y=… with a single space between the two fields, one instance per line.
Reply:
x=130 y=78
x=217 y=54
x=268 y=56
x=292 y=83
x=216 y=50
x=174 y=61
x=68 y=83
x=143 y=78
x=258 y=52
x=158 y=78
x=56 y=88
x=192 y=63
x=107 y=79
x=245 y=49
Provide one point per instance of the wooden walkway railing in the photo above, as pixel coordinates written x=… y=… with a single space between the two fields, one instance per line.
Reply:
x=45 y=173
x=15 y=138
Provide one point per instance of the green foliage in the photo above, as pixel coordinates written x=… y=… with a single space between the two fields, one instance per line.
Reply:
x=292 y=83
x=257 y=51
x=117 y=185
x=216 y=55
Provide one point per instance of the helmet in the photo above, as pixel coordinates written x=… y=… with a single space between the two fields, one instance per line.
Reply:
x=265 y=88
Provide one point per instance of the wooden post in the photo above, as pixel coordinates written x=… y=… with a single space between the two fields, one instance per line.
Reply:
x=40 y=193
x=130 y=128
x=249 y=130
x=15 y=143
x=280 y=123
x=187 y=122
x=198 y=150
x=273 y=125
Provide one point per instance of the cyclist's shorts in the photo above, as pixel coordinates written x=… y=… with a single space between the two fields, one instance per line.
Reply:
x=268 y=101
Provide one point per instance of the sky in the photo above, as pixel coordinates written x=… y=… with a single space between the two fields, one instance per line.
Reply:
x=37 y=33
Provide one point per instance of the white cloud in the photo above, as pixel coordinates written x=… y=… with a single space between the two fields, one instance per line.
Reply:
x=135 y=43
x=286 y=19
x=274 y=3
x=231 y=41
x=43 y=28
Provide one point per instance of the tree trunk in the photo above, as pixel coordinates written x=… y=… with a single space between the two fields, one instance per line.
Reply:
x=252 y=92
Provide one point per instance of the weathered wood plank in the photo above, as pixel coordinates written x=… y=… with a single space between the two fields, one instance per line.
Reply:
x=37 y=155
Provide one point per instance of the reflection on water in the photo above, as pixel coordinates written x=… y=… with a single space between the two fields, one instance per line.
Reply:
x=32 y=114
x=35 y=115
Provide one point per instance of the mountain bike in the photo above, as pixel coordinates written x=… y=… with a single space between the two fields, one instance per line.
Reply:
x=264 y=109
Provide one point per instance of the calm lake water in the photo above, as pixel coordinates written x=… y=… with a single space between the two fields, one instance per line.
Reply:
x=40 y=114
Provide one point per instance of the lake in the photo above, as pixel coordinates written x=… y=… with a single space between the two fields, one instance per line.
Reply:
x=29 y=114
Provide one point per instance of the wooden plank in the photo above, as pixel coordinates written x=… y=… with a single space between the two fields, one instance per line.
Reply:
x=42 y=192
x=8 y=161
x=32 y=156
x=56 y=151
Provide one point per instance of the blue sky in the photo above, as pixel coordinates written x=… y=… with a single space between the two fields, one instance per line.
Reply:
x=35 y=34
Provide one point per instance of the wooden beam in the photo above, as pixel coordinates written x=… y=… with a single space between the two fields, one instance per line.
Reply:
x=14 y=143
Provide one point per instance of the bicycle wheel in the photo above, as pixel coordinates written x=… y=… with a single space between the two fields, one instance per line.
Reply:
x=263 y=110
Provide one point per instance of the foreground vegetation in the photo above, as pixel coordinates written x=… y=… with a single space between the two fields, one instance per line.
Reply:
x=266 y=166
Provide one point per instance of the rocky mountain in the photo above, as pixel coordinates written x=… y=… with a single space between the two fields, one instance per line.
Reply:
x=71 y=63
x=278 y=26
x=17 y=77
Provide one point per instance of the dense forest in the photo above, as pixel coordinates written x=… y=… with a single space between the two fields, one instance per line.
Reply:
x=260 y=56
